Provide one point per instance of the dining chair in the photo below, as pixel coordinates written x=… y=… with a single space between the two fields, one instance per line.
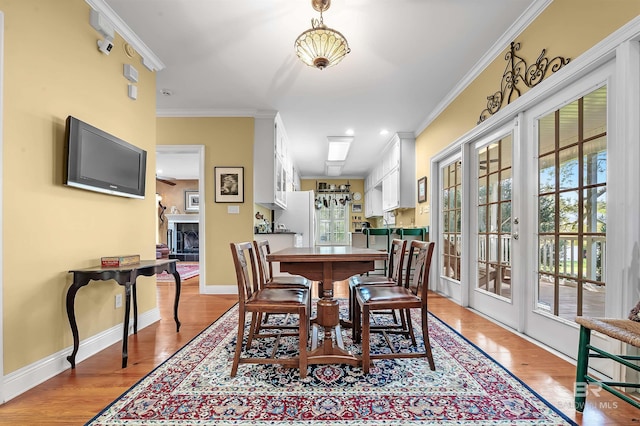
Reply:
x=267 y=280
x=393 y=277
x=255 y=301
x=411 y=295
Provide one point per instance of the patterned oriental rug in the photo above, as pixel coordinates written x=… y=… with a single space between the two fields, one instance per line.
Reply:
x=193 y=387
x=185 y=269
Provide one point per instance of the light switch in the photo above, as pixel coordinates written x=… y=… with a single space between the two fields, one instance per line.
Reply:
x=233 y=209
x=133 y=91
x=130 y=73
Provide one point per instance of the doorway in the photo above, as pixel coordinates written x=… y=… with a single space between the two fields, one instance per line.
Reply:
x=181 y=209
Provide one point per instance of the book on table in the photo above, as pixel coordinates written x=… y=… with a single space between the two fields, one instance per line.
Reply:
x=115 y=261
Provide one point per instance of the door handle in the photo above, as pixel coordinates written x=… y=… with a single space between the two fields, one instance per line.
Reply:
x=516 y=235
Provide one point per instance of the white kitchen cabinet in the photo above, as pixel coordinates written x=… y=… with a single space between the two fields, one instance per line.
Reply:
x=399 y=173
x=373 y=202
x=271 y=178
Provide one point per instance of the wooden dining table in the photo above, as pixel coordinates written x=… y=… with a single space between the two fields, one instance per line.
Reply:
x=328 y=264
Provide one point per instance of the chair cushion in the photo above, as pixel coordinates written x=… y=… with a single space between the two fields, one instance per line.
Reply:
x=376 y=293
x=293 y=280
x=280 y=295
x=357 y=280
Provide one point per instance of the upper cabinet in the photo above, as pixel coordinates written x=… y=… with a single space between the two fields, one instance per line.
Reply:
x=395 y=175
x=271 y=178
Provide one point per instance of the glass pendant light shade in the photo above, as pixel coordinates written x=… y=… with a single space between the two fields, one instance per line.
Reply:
x=321 y=47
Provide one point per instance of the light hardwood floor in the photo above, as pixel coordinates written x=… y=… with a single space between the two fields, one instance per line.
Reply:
x=74 y=396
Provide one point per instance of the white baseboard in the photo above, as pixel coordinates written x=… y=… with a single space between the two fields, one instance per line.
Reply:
x=32 y=375
x=219 y=289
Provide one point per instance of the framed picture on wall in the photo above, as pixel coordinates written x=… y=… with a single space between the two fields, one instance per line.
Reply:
x=356 y=208
x=191 y=200
x=229 y=184
x=422 y=189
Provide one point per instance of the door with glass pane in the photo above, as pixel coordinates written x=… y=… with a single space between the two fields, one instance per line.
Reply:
x=332 y=226
x=492 y=290
x=570 y=144
x=450 y=214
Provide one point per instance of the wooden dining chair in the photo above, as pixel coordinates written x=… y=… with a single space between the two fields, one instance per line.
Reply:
x=411 y=295
x=267 y=280
x=393 y=277
x=255 y=300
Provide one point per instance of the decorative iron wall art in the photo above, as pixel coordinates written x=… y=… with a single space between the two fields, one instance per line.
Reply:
x=517 y=72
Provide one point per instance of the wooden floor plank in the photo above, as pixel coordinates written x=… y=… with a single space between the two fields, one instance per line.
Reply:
x=75 y=396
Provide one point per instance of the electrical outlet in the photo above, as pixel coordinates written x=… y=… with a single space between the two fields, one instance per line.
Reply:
x=118 y=301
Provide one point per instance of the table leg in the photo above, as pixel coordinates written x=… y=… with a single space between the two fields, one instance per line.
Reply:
x=135 y=308
x=71 y=297
x=176 y=299
x=125 y=336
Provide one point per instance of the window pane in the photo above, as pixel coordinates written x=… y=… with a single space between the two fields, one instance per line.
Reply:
x=505 y=185
x=505 y=217
x=546 y=254
x=546 y=134
x=595 y=161
x=547 y=173
x=482 y=218
x=568 y=211
x=546 y=213
x=493 y=163
x=493 y=218
x=569 y=124
x=505 y=152
x=493 y=188
x=482 y=190
x=593 y=261
x=569 y=168
x=595 y=112
x=595 y=210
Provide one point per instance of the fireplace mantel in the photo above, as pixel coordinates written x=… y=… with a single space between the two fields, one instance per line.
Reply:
x=187 y=218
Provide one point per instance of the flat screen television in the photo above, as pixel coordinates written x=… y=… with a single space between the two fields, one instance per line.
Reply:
x=98 y=161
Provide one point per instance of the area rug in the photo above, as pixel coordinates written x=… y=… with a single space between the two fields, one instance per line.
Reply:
x=193 y=387
x=185 y=269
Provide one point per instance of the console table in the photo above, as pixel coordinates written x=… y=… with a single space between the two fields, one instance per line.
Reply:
x=125 y=276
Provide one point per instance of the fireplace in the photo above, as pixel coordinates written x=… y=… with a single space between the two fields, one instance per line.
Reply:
x=183 y=237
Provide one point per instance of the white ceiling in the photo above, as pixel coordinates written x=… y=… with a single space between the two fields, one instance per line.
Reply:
x=236 y=58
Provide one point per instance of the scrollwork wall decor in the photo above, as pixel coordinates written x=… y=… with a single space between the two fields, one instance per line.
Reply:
x=517 y=72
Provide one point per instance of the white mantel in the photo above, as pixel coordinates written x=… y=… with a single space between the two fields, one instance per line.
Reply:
x=184 y=218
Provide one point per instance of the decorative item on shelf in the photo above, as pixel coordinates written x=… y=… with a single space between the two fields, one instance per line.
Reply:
x=321 y=47
x=229 y=184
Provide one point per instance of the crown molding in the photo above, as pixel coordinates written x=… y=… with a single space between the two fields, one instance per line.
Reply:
x=149 y=59
x=191 y=112
x=527 y=17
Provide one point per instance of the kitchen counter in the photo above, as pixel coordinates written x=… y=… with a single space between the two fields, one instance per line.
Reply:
x=276 y=233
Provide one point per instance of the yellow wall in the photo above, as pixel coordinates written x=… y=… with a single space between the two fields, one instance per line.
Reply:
x=53 y=69
x=228 y=142
x=565 y=28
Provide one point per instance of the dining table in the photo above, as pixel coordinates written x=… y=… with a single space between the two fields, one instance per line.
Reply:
x=328 y=264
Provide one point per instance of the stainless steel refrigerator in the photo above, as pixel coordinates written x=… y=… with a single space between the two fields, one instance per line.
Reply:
x=299 y=217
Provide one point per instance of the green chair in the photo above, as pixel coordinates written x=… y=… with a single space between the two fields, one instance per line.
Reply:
x=624 y=330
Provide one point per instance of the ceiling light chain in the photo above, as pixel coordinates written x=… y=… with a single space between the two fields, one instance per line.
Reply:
x=321 y=46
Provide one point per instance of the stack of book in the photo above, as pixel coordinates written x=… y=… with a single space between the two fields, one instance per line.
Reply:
x=116 y=261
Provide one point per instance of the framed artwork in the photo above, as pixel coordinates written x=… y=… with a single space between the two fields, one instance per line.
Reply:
x=229 y=184
x=356 y=208
x=191 y=200
x=422 y=189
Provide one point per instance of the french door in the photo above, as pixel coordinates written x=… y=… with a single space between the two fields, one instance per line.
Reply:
x=492 y=287
x=568 y=235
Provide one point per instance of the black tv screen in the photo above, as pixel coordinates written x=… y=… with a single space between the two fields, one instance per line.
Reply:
x=98 y=161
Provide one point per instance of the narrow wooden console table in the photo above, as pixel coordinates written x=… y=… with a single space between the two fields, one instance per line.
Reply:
x=125 y=276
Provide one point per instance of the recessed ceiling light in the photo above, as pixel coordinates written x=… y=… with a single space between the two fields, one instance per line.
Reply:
x=349 y=132
x=338 y=148
x=166 y=92
x=384 y=132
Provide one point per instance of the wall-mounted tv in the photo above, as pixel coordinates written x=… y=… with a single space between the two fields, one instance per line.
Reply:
x=98 y=161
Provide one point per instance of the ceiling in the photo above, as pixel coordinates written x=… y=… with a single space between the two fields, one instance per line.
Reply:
x=236 y=58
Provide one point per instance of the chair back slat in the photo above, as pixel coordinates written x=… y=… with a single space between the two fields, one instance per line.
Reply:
x=419 y=259
x=265 y=269
x=243 y=260
x=396 y=259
